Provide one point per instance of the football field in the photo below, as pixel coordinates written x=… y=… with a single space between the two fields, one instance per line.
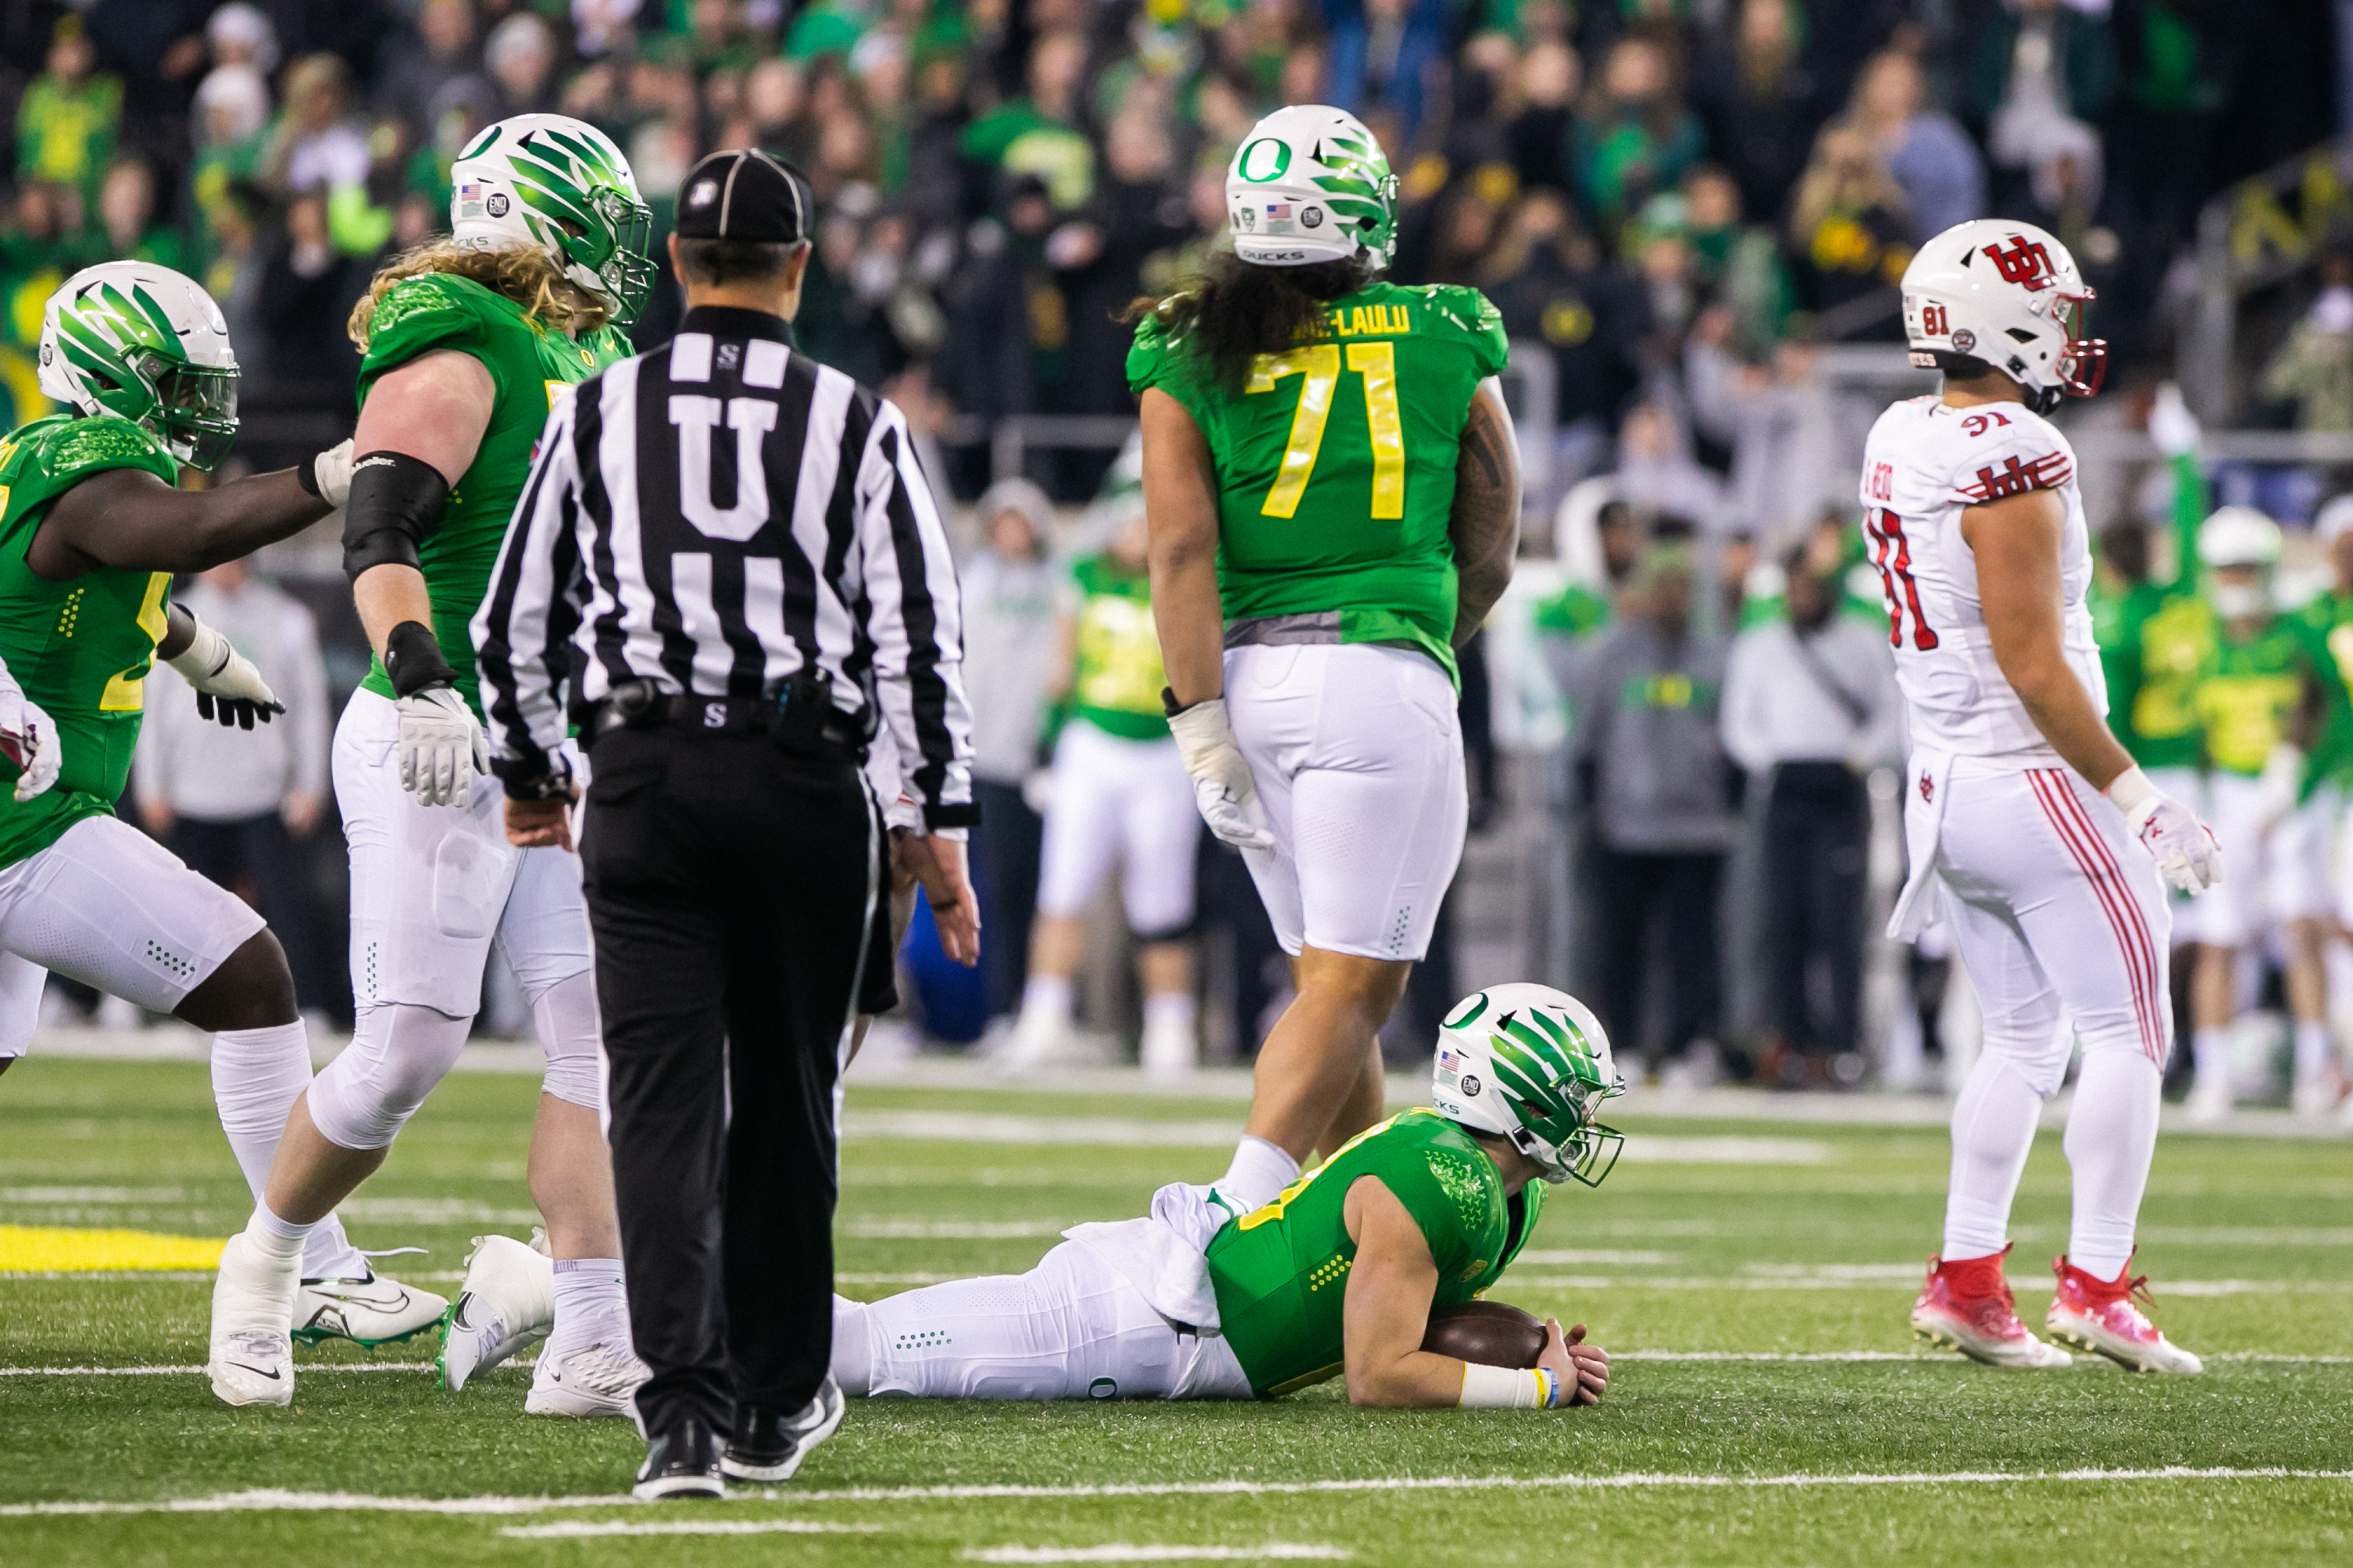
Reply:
x=1750 y=1278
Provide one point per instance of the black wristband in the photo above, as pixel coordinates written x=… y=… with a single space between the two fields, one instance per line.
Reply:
x=306 y=473
x=413 y=661
x=958 y=814
x=1168 y=703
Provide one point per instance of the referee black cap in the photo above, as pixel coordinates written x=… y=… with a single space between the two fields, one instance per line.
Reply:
x=743 y=193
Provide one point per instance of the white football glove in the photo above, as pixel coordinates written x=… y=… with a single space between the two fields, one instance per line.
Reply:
x=442 y=747
x=27 y=739
x=332 y=470
x=2281 y=782
x=228 y=688
x=1222 y=785
x=2183 y=848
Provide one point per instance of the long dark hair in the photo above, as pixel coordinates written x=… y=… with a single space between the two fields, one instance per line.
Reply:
x=1239 y=310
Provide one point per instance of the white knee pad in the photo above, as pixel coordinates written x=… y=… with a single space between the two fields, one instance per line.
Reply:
x=572 y=1034
x=854 y=1353
x=398 y=1052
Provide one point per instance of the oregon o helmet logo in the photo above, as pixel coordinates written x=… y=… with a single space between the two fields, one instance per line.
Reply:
x=1264 y=159
x=1102 y=1388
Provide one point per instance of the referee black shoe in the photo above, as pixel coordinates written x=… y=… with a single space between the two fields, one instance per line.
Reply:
x=681 y=1461
x=769 y=1447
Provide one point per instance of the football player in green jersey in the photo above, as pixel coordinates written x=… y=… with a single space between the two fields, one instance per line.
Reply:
x=2320 y=829
x=1208 y=1297
x=1120 y=798
x=2260 y=700
x=1334 y=492
x=92 y=528
x=468 y=343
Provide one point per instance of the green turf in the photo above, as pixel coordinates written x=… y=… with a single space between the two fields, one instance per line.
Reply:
x=2248 y=1242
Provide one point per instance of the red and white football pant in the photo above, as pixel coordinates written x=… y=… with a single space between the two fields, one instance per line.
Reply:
x=2063 y=922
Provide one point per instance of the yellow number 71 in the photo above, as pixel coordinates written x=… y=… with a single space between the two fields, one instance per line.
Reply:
x=1376 y=363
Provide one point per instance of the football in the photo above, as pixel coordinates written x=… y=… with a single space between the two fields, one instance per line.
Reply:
x=1492 y=1333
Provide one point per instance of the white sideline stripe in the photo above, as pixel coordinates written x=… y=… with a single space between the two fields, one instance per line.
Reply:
x=273 y=1501
x=322 y=1369
x=304 y=1369
x=576 y=1529
x=1862 y=1278
x=1118 y=1551
x=191 y=1275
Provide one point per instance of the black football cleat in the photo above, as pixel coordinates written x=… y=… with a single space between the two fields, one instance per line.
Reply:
x=681 y=1461
x=769 y=1447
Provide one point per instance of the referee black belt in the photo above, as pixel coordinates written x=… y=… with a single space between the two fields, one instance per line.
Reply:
x=788 y=721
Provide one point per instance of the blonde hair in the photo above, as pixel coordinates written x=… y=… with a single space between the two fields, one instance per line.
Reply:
x=523 y=273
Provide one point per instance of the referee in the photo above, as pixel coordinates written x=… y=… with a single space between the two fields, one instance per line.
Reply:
x=728 y=568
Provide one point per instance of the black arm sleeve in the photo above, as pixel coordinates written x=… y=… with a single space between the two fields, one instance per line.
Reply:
x=396 y=502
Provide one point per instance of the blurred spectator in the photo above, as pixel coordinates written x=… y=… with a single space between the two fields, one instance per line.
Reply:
x=2314 y=369
x=520 y=54
x=454 y=114
x=307 y=294
x=1849 y=231
x=1038 y=134
x=1099 y=259
x=1650 y=759
x=1553 y=285
x=232 y=803
x=1536 y=139
x=1656 y=473
x=1762 y=104
x=1011 y=654
x=69 y=117
x=37 y=250
x=1809 y=703
x=126 y=216
x=1381 y=51
x=1636 y=137
x=438 y=49
x=1928 y=156
x=232 y=111
x=239 y=34
x=315 y=145
x=1789 y=460
x=1739 y=267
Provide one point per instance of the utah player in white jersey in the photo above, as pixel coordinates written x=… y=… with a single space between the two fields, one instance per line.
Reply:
x=2050 y=849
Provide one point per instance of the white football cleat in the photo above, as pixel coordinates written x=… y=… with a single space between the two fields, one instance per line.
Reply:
x=252 y=1356
x=370 y=1311
x=1171 y=1049
x=2317 y=1095
x=506 y=1303
x=2208 y=1101
x=597 y=1379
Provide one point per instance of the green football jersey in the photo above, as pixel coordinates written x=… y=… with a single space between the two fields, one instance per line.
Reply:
x=2157 y=647
x=2250 y=690
x=1336 y=462
x=529 y=366
x=2328 y=621
x=80 y=648
x=1116 y=675
x=1281 y=1273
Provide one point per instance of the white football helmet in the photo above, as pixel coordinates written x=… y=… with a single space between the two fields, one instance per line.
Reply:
x=559 y=183
x=1310 y=184
x=1533 y=1065
x=2239 y=536
x=2007 y=294
x=147 y=345
x=2333 y=522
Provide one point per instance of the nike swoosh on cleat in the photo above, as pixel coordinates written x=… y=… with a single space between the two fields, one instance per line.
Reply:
x=255 y=1369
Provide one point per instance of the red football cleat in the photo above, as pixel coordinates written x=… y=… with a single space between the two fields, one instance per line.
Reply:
x=2101 y=1316
x=1967 y=1306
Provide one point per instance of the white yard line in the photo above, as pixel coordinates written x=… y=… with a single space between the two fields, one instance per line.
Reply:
x=1119 y=1551
x=264 y=1502
x=576 y=1529
x=304 y=1369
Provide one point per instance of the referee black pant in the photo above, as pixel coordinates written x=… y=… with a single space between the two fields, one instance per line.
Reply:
x=731 y=888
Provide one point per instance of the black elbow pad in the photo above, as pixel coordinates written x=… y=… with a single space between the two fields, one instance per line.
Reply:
x=396 y=500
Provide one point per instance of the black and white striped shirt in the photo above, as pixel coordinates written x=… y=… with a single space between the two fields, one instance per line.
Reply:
x=717 y=515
